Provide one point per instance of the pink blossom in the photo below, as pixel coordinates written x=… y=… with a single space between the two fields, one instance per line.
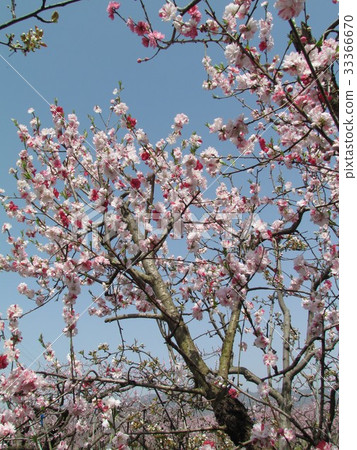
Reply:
x=295 y=64
x=248 y=30
x=261 y=341
x=211 y=161
x=289 y=8
x=179 y=121
x=197 y=311
x=7 y=429
x=320 y=216
x=266 y=39
x=188 y=29
x=111 y=8
x=168 y=12
x=207 y=445
x=270 y=359
x=3 y=361
x=141 y=28
x=323 y=445
x=120 y=109
x=233 y=393
x=264 y=389
x=151 y=39
x=120 y=441
x=6 y=227
x=195 y=13
x=212 y=26
x=135 y=183
x=260 y=431
x=14 y=312
x=289 y=434
x=243 y=346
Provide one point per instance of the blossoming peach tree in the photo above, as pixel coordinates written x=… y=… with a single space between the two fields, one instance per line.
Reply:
x=242 y=284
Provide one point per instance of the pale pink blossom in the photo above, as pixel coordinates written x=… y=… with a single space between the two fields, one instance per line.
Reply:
x=6 y=227
x=288 y=9
x=270 y=359
x=179 y=121
x=247 y=31
x=264 y=390
x=168 y=12
x=197 y=311
x=120 y=109
x=7 y=429
x=260 y=431
x=289 y=434
x=261 y=341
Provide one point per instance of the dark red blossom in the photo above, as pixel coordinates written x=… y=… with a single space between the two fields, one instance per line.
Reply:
x=57 y=111
x=145 y=156
x=12 y=206
x=130 y=122
x=3 y=361
x=233 y=393
x=262 y=144
x=263 y=46
x=199 y=165
x=94 y=195
x=64 y=218
x=135 y=183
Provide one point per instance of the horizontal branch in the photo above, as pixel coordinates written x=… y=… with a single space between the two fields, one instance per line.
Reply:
x=190 y=430
x=134 y=316
x=250 y=376
x=189 y=6
x=36 y=12
x=124 y=383
x=294 y=226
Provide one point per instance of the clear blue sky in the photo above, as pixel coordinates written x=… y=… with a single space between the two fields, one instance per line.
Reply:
x=87 y=55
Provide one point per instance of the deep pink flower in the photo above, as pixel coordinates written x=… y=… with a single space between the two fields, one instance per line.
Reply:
x=151 y=39
x=111 y=8
x=208 y=444
x=195 y=13
x=199 y=165
x=141 y=28
x=130 y=122
x=64 y=218
x=3 y=361
x=135 y=183
x=12 y=206
x=262 y=144
x=263 y=46
x=145 y=156
x=233 y=393
x=322 y=445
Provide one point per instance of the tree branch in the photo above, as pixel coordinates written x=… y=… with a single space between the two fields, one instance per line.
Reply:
x=42 y=9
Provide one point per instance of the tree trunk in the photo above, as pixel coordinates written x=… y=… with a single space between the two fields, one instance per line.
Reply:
x=232 y=414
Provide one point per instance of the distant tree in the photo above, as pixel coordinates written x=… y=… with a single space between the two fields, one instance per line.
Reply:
x=241 y=284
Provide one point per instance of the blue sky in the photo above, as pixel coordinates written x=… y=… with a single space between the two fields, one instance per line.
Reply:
x=87 y=55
